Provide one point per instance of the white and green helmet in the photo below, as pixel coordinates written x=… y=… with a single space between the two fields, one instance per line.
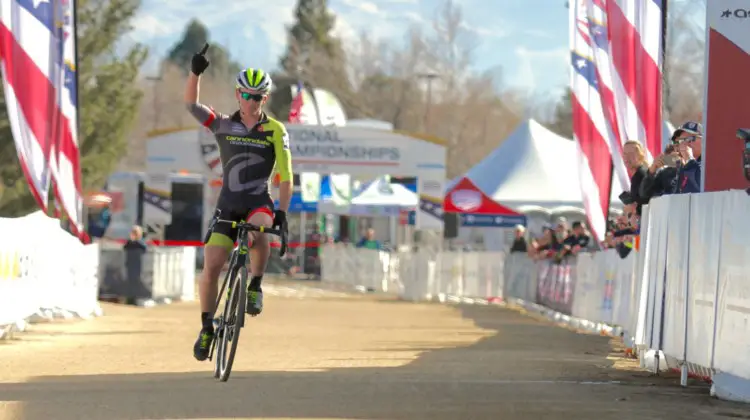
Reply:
x=254 y=79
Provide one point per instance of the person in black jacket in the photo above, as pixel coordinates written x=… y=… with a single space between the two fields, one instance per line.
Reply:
x=688 y=137
x=519 y=242
x=635 y=160
x=662 y=175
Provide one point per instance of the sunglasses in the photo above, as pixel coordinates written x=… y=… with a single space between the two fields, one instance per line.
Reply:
x=257 y=97
x=689 y=139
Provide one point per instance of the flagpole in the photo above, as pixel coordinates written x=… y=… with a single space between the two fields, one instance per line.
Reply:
x=75 y=57
x=53 y=133
x=83 y=210
x=664 y=79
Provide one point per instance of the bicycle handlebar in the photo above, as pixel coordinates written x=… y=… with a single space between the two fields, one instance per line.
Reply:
x=252 y=228
x=282 y=233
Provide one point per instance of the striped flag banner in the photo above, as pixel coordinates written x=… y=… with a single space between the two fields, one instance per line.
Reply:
x=37 y=48
x=616 y=92
x=636 y=55
x=295 y=109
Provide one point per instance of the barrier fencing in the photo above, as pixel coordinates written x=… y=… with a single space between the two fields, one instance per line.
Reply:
x=681 y=302
x=45 y=273
x=160 y=274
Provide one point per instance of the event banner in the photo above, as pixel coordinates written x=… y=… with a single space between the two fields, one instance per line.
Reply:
x=555 y=284
x=727 y=52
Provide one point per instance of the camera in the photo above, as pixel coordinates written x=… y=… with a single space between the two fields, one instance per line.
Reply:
x=744 y=135
x=626 y=198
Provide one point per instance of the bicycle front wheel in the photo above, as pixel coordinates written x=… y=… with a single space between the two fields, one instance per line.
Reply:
x=232 y=322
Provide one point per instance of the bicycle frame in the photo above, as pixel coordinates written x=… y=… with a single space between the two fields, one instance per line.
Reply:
x=240 y=254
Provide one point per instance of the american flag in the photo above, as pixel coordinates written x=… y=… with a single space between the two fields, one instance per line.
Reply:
x=37 y=49
x=616 y=48
x=295 y=109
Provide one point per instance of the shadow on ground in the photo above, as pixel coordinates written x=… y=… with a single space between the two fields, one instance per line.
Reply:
x=525 y=369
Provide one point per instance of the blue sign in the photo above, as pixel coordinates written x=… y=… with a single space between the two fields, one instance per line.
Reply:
x=490 y=220
x=296 y=205
x=482 y=220
x=433 y=208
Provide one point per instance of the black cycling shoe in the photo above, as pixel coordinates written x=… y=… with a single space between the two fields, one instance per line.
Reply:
x=203 y=344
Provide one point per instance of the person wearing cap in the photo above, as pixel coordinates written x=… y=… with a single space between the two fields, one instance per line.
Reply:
x=688 y=140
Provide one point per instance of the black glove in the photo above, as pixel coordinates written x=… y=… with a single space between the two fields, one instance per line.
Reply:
x=199 y=64
x=279 y=222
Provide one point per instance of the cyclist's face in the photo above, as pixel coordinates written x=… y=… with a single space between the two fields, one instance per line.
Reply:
x=250 y=101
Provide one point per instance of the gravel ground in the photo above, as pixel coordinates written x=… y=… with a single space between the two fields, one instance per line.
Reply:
x=318 y=354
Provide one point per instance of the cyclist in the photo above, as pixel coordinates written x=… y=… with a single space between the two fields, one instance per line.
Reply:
x=250 y=144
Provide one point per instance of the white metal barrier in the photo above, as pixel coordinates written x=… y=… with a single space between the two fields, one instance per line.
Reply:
x=454 y=276
x=44 y=273
x=681 y=302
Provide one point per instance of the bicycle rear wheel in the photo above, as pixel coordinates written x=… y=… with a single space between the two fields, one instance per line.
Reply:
x=231 y=323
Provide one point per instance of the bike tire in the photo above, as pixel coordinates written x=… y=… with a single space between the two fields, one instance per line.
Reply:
x=234 y=317
x=216 y=348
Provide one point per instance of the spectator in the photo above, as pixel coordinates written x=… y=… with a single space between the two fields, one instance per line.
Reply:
x=609 y=240
x=688 y=138
x=136 y=240
x=575 y=242
x=561 y=230
x=368 y=241
x=519 y=243
x=134 y=250
x=546 y=246
x=662 y=175
x=624 y=234
x=635 y=161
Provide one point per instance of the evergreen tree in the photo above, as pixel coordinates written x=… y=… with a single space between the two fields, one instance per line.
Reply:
x=310 y=34
x=314 y=55
x=108 y=102
x=193 y=39
x=563 y=122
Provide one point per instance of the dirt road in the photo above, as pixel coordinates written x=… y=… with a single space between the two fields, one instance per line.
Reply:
x=328 y=356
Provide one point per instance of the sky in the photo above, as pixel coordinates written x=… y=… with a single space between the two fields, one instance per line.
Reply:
x=528 y=39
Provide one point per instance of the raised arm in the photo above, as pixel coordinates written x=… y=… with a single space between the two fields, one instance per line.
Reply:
x=192 y=88
x=205 y=115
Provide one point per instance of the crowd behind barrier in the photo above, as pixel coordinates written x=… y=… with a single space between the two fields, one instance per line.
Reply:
x=681 y=301
x=45 y=273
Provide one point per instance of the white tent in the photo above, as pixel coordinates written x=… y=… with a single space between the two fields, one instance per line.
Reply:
x=381 y=197
x=535 y=167
x=532 y=167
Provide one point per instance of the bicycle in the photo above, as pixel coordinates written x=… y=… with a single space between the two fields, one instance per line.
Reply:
x=228 y=325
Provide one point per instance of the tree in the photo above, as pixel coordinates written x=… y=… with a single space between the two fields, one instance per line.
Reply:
x=472 y=112
x=683 y=73
x=313 y=53
x=562 y=123
x=193 y=39
x=108 y=101
x=311 y=33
